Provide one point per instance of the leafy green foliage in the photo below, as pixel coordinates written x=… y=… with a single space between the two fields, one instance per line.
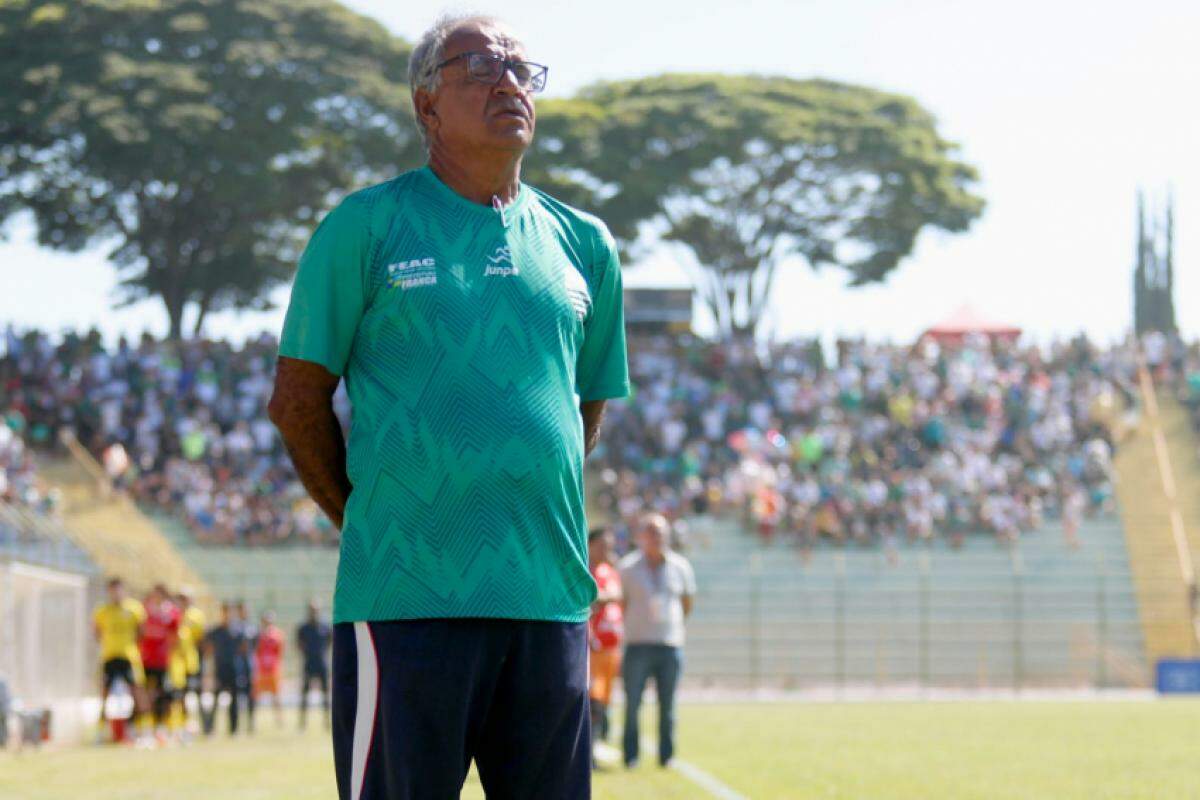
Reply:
x=201 y=138
x=749 y=171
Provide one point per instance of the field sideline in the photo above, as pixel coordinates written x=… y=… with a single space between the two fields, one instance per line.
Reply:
x=991 y=751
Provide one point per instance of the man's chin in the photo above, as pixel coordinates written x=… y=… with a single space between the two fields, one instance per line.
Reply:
x=519 y=135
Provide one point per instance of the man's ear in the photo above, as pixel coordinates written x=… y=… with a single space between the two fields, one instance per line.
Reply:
x=424 y=107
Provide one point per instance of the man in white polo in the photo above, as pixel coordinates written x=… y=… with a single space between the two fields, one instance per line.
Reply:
x=659 y=586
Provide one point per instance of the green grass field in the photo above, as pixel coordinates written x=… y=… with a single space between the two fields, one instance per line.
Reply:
x=781 y=750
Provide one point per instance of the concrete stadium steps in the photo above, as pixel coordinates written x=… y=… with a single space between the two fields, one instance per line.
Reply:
x=115 y=534
x=281 y=579
x=939 y=616
x=1182 y=449
x=1145 y=510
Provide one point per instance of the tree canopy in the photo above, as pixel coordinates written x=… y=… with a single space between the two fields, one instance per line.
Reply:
x=202 y=138
x=749 y=171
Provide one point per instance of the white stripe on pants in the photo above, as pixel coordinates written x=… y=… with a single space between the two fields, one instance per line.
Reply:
x=364 y=715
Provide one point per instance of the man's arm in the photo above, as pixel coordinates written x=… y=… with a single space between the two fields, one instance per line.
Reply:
x=610 y=596
x=593 y=415
x=689 y=588
x=301 y=408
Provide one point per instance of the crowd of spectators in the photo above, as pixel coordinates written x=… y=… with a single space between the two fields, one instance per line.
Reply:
x=181 y=426
x=871 y=443
x=879 y=444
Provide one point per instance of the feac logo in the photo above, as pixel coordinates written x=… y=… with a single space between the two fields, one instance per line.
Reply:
x=416 y=262
x=412 y=273
x=500 y=264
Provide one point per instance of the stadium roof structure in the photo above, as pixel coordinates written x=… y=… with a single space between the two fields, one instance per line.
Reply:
x=966 y=320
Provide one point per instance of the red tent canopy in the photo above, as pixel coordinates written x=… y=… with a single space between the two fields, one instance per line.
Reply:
x=967 y=320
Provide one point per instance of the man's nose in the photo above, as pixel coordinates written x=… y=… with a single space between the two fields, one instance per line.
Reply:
x=508 y=83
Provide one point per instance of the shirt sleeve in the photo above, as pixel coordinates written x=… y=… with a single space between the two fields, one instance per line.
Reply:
x=602 y=371
x=689 y=578
x=329 y=291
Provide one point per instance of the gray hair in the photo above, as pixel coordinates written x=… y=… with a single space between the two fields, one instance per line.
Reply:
x=430 y=48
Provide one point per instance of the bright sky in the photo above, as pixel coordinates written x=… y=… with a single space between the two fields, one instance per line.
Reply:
x=1065 y=107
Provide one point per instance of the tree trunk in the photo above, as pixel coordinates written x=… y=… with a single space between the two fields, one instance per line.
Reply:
x=174 y=306
x=205 y=301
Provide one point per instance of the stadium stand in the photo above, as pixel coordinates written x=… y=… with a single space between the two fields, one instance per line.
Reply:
x=1162 y=569
x=179 y=426
x=30 y=515
x=909 y=502
x=885 y=440
x=885 y=443
x=32 y=538
x=114 y=532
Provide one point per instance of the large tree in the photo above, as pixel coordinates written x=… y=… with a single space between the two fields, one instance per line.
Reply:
x=201 y=139
x=749 y=172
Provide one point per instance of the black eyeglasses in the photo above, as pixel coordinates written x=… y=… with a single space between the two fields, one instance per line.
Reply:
x=490 y=68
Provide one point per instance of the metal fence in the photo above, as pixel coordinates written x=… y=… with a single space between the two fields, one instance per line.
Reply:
x=843 y=622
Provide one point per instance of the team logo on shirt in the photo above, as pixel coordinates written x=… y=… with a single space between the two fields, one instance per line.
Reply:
x=413 y=273
x=500 y=264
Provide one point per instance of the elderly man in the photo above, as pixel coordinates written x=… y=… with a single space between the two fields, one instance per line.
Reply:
x=658 y=588
x=478 y=325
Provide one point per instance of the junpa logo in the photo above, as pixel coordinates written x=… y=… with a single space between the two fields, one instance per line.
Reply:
x=500 y=264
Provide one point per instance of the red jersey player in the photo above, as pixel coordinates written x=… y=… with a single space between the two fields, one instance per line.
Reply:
x=268 y=663
x=605 y=628
x=158 y=635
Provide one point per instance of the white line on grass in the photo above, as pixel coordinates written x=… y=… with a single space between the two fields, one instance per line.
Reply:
x=702 y=779
x=690 y=771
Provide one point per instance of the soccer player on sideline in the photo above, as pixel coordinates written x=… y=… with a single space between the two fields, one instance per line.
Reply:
x=314 y=637
x=117 y=624
x=658 y=587
x=224 y=644
x=605 y=628
x=177 y=680
x=247 y=632
x=478 y=324
x=159 y=632
x=191 y=637
x=268 y=663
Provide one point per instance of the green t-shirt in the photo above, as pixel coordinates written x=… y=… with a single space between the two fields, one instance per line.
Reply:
x=467 y=338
